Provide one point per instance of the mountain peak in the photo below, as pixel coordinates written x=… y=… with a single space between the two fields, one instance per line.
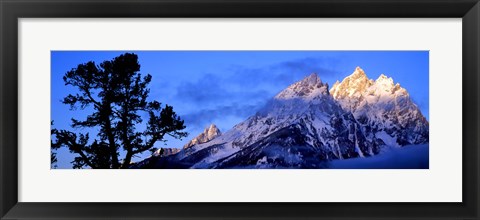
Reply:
x=309 y=87
x=384 y=81
x=312 y=78
x=212 y=131
x=359 y=72
x=356 y=83
x=207 y=135
x=384 y=77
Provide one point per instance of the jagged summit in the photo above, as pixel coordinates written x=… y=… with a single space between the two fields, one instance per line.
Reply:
x=307 y=88
x=382 y=106
x=358 y=73
x=207 y=135
x=384 y=81
x=383 y=76
x=312 y=79
x=357 y=88
x=352 y=85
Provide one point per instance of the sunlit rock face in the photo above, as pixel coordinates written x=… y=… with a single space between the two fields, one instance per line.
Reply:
x=383 y=108
x=207 y=135
x=352 y=86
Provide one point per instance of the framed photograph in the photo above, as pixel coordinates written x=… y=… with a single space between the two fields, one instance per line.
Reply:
x=228 y=109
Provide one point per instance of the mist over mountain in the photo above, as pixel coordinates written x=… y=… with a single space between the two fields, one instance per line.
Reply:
x=307 y=125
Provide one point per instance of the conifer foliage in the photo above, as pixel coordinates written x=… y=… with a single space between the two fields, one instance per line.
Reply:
x=117 y=93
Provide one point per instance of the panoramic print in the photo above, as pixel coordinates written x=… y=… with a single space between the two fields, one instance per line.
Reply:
x=239 y=110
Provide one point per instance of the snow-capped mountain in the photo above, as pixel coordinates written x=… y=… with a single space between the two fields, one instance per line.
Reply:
x=383 y=108
x=207 y=135
x=307 y=124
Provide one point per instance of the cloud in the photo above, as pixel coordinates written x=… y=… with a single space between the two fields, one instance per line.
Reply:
x=211 y=89
x=240 y=90
x=208 y=89
x=284 y=73
x=308 y=65
x=202 y=118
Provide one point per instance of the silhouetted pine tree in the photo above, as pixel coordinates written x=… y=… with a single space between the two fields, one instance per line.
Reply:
x=117 y=92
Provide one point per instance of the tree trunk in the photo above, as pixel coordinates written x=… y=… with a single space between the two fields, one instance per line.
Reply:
x=128 y=159
x=111 y=137
x=113 y=147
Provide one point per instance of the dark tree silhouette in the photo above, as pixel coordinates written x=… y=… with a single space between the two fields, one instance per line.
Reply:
x=53 y=154
x=117 y=92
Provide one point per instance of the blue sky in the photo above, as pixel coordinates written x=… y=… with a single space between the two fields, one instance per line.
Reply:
x=226 y=87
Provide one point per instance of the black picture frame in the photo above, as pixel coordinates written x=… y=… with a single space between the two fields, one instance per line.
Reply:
x=12 y=10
